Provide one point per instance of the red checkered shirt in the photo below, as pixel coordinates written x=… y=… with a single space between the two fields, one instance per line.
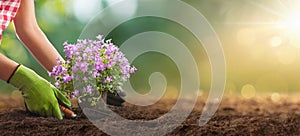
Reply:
x=8 y=10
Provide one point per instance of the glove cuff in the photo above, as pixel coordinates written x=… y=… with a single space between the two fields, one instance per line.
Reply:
x=8 y=81
x=23 y=78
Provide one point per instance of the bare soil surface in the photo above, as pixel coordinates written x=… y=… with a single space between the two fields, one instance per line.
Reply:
x=235 y=116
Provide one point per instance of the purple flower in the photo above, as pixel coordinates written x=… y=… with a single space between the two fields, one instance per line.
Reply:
x=125 y=70
x=91 y=57
x=84 y=66
x=65 y=43
x=99 y=37
x=89 y=89
x=104 y=60
x=67 y=78
x=74 y=68
x=88 y=49
x=69 y=50
x=108 y=54
x=108 y=79
x=68 y=62
x=58 y=70
x=50 y=73
x=99 y=66
x=85 y=78
x=84 y=42
x=57 y=84
x=90 y=41
x=110 y=64
x=96 y=74
x=132 y=69
x=75 y=93
x=78 y=58
x=120 y=55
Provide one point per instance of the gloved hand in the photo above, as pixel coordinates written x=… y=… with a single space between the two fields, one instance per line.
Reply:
x=116 y=100
x=40 y=96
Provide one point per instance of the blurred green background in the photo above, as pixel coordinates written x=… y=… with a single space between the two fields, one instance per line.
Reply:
x=260 y=39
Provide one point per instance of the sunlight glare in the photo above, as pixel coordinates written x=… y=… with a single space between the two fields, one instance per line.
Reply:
x=291 y=23
x=128 y=9
x=82 y=13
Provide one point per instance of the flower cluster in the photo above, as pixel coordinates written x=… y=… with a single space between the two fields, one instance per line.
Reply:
x=99 y=61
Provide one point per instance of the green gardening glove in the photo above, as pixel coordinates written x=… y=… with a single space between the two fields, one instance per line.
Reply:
x=40 y=96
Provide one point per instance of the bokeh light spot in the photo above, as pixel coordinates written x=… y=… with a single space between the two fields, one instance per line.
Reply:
x=248 y=91
x=275 y=41
x=275 y=97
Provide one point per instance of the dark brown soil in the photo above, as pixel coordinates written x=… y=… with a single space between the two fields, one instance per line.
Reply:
x=235 y=116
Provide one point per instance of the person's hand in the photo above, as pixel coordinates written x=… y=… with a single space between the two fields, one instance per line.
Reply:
x=116 y=99
x=40 y=96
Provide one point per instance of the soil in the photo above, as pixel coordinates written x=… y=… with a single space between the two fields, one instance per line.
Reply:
x=235 y=116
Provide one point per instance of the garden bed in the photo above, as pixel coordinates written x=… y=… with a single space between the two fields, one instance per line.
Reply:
x=235 y=116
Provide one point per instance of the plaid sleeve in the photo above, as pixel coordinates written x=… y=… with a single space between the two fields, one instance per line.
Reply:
x=8 y=10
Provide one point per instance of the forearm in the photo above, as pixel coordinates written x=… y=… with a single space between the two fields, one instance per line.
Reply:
x=32 y=37
x=39 y=46
x=7 y=67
